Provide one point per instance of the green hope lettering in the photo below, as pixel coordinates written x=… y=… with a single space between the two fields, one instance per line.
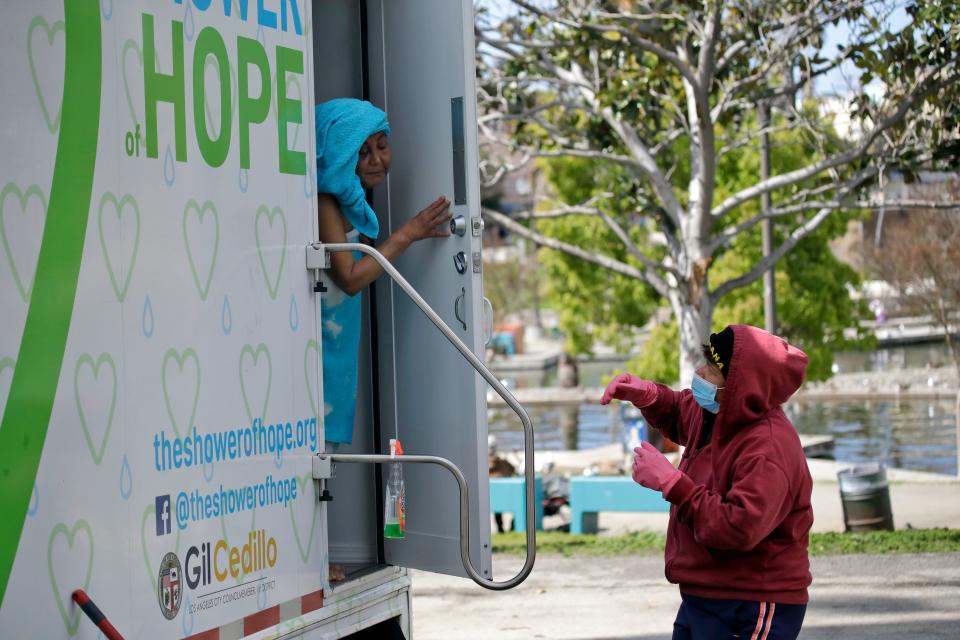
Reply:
x=171 y=88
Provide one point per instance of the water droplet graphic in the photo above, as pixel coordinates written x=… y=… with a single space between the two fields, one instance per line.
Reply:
x=226 y=317
x=278 y=460
x=208 y=476
x=148 y=324
x=126 y=479
x=188 y=616
x=244 y=179
x=294 y=314
x=34 y=502
x=169 y=171
x=309 y=184
x=106 y=8
x=189 y=26
x=296 y=135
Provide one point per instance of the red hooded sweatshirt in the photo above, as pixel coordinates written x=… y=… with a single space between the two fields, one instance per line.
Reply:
x=740 y=515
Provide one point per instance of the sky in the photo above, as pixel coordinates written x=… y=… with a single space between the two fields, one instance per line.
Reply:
x=840 y=82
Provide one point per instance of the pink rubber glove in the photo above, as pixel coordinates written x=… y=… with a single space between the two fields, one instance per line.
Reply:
x=652 y=470
x=642 y=393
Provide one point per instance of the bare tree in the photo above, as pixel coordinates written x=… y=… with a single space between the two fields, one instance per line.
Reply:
x=919 y=257
x=666 y=89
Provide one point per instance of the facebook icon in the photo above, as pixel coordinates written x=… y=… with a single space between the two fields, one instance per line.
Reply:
x=163 y=514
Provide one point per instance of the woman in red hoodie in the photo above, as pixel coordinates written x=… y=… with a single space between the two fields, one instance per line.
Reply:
x=740 y=512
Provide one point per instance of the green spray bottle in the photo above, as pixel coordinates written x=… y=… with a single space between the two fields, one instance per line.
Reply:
x=394 y=518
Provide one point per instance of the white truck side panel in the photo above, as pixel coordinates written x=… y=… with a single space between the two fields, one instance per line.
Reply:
x=192 y=311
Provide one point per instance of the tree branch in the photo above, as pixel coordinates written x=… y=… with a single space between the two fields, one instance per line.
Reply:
x=646 y=164
x=641 y=43
x=919 y=91
x=600 y=260
x=896 y=204
x=754 y=274
x=849 y=186
x=635 y=251
x=585 y=153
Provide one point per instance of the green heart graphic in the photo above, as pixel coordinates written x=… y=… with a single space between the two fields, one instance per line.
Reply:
x=87 y=359
x=120 y=288
x=153 y=571
x=304 y=481
x=6 y=363
x=172 y=356
x=23 y=281
x=271 y=215
x=255 y=356
x=313 y=392
x=128 y=46
x=203 y=288
x=51 y=30
x=70 y=621
x=211 y=62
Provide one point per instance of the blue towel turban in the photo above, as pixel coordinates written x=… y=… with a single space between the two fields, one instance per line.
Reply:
x=343 y=125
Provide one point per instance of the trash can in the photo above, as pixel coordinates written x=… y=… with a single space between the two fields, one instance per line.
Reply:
x=865 y=495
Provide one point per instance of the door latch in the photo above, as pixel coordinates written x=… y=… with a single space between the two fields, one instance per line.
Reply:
x=458 y=226
x=318 y=259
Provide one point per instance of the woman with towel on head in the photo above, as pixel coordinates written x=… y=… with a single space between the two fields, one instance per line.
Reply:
x=353 y=155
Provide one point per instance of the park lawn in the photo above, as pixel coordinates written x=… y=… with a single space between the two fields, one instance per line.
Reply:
x=821 y=544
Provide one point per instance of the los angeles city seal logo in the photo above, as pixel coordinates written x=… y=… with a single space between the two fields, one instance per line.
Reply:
x=170 y=586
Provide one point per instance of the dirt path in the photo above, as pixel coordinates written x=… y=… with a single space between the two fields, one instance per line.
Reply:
x=627 y=598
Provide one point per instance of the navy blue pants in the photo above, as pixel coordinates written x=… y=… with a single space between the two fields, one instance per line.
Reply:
x=710 y=619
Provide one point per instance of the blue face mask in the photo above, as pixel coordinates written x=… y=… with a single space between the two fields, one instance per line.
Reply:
x=705 y=393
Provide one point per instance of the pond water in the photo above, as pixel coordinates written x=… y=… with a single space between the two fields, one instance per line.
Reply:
x=916 y=435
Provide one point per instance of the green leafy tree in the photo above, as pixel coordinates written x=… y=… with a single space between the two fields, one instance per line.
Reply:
x=813 y=284
x=659 y=96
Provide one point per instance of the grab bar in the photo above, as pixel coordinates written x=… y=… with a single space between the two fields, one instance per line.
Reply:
x=96 y=616
x=318 y=258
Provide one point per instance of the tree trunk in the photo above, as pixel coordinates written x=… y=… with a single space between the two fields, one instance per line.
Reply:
x=694 y=321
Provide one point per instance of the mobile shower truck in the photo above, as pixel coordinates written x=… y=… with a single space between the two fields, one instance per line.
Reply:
x=161 y=446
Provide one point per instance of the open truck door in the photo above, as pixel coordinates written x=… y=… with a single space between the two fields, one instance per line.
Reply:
x=431 y=398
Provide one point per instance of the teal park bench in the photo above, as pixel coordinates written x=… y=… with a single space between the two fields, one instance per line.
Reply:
x=590 y=495
x=508 y=495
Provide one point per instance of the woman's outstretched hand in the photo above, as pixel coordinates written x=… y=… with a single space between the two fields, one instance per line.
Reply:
x=432 y=222
x=642 y=393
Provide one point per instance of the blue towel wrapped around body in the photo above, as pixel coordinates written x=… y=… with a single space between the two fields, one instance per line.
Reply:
x=340 y=315
x=342 y=126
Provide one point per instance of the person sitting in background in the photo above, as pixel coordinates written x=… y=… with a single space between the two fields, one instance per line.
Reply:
x=738 y=535
x=567 y=374
x=499 y=467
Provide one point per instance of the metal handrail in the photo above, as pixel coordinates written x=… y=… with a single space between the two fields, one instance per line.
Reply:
x=481 y=368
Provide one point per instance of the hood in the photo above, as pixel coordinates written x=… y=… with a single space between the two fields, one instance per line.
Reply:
x=764 y=372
